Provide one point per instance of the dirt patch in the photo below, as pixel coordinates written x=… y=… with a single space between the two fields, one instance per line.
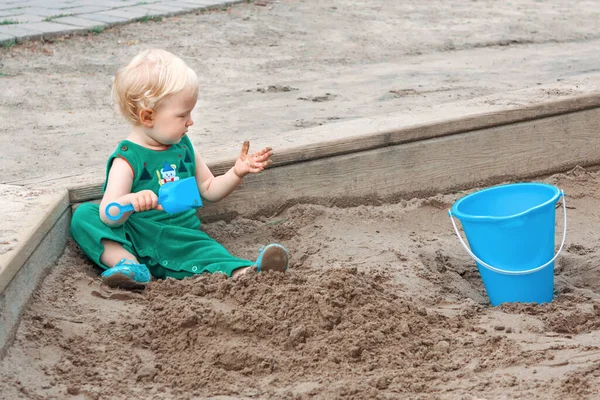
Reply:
x=380 y=302
x=292 y=64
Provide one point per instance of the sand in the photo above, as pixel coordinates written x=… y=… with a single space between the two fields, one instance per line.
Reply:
x=290 y=65
x=380 y=302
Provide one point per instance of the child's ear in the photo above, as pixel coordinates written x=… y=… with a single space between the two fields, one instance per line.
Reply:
x=147 y=117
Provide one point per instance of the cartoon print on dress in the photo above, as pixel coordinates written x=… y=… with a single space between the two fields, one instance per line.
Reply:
x=145 y=174
x=167 y=174
x=182 y=167
x=188 y=158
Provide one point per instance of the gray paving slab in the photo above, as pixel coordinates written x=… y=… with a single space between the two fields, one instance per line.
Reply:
x=25 y=18
x=18 y=32
x=50 y=27
x=43 y=12
x=209 y=3
x=4 y=37
x=131 y=13
x=181 y=4
x=5 y=13
x=80 y=22
x=155 y=13
x=37 y=4
x=37 y=18
x=108 y=19
x=41 y=3
x=78 y=9
x=165 y=8
x=6 y=7
x=109 y=3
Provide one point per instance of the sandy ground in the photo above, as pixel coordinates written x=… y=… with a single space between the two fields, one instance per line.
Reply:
x=288 y=65
x=380 y=302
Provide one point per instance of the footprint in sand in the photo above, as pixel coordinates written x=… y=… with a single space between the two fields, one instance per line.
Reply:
x=319 y=99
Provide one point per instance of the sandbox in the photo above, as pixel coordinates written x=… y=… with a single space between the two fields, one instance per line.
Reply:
x=380 y=300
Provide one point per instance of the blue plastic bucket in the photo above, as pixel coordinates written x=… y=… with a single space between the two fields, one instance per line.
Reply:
x=510 y=230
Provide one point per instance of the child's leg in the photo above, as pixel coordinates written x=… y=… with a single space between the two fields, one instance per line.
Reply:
x=107 y=247
x=114 y=252
x=184 y=252
x=92 y=235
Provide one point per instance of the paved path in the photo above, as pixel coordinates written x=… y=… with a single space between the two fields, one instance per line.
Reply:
x=35 y=19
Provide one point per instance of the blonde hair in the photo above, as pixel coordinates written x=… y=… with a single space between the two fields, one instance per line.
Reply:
x=150 y=77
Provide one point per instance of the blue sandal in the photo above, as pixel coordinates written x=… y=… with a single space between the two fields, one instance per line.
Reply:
x=127 y=274
x=273 y=257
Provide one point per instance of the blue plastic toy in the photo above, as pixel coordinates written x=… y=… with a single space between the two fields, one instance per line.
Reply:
x=511 y=227
x=174 y=197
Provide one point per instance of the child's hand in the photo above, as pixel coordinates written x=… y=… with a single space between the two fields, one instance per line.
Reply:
x=144 y=200
x=253 y=163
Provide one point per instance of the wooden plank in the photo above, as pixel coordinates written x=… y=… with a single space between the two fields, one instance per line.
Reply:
x=388 y=130
x=482 y=157
x=15 y=296
x=38 y=222
x=377 y=132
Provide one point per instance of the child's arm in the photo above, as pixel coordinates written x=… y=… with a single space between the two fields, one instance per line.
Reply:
x=217 y=188
x=118 y=189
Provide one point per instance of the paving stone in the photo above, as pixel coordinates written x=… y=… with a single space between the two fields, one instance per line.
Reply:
x=69 y=16
x=165 y=8
x=18 y=31
x=210 y=3
x=80 y=22
x=6 y=38
x=181 y=4
x=22 y=19
x=43 y=12
x=154 y=13
x=6 y=16
x=83 y=9
x=50 y=27
x=128 y=12
x=108 y=19
x=40 y=4
x=7 y=7
x=108 y=3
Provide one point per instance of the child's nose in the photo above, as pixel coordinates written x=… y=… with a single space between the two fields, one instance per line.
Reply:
x=190 y=122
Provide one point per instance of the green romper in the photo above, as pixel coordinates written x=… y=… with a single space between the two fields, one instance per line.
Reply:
x=171 y=245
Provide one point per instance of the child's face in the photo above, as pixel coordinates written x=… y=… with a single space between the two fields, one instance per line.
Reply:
x=173 y=117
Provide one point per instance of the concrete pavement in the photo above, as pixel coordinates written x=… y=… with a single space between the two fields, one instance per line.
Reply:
x=37 y=19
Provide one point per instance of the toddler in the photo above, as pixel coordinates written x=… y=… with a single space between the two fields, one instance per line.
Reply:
x=156 y=93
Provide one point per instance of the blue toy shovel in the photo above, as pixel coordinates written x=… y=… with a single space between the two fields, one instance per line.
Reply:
x=174 y=197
